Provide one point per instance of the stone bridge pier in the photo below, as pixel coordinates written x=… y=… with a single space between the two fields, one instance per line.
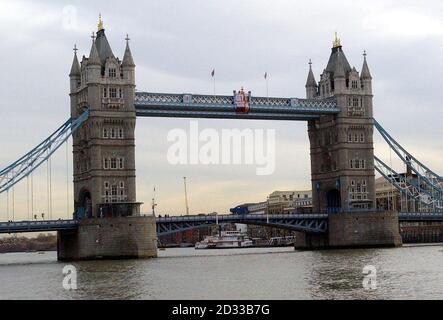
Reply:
x=355 y=230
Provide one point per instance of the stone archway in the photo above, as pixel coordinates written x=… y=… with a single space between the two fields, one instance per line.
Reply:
x=84 y=209
x=333 y=199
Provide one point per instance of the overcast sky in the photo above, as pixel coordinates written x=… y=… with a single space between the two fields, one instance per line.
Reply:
x=176 y=44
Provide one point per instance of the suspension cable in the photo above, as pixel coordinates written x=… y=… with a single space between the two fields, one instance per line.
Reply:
x=27 y=196
x=47 y=187
x=67 y=179
x=13 y=204
x=7 y=205
x=32 y=195
x=50 y=188
x=392 y=186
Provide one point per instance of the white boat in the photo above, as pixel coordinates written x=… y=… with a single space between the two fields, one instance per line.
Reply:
x=226 y=240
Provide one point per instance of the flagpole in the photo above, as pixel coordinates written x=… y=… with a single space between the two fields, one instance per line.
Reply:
x=213 y=79
x=153 y=203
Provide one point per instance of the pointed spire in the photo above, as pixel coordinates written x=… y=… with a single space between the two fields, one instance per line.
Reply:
x=336 y=43
x=128 y=61
x=94 y=58
x=75 y=68
x=310 y=82
x=100 y=23
x=339 y=65
x=365 y=74
x=103 y=47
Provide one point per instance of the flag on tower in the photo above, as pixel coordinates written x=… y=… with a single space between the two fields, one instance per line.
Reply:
x=213 y=73
x=266 y=75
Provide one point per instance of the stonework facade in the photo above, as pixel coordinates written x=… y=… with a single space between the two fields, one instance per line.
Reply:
x=114 y=238
x=354 y=230
x=104 y=147
x=342 y=168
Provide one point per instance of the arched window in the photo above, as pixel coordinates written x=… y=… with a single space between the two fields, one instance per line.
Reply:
x=354 y=84
x=106 y=163
x=113 y=163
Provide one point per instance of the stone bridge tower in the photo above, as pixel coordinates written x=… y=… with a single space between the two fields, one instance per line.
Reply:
x=110 y=224
x=104 y=148
x=341 y=145
x=342 y=161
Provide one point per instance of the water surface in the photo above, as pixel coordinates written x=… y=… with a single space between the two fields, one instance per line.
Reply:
x=411 y=272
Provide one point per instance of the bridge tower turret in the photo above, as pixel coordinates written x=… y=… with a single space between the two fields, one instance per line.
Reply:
x=75 y=81
x=342 y=145
x=93 y=65
x=366 y=78
x=128 y=65
x=311 y=84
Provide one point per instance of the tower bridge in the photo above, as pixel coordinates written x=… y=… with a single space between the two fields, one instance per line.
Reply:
x=104 y=106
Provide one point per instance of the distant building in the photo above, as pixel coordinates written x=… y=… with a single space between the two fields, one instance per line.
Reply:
x=303 y=205
x=386 y=195
x=241 y=208
x=283 y=201
x=279 y=202
x=258 y=208
x=389 y=197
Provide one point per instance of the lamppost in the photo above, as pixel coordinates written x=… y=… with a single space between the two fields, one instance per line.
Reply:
x=186 y=197
x=153 y=203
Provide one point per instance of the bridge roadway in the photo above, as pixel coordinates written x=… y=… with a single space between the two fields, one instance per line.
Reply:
x=310 y=223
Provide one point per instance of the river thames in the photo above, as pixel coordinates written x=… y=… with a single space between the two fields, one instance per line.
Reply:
x=410 y=272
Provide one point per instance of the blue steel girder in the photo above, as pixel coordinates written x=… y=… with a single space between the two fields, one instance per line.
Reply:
x=37 y=226
x=310 y=223
x=432 y=179
x=223 y=107
x=25 y=165
x=406 y=187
